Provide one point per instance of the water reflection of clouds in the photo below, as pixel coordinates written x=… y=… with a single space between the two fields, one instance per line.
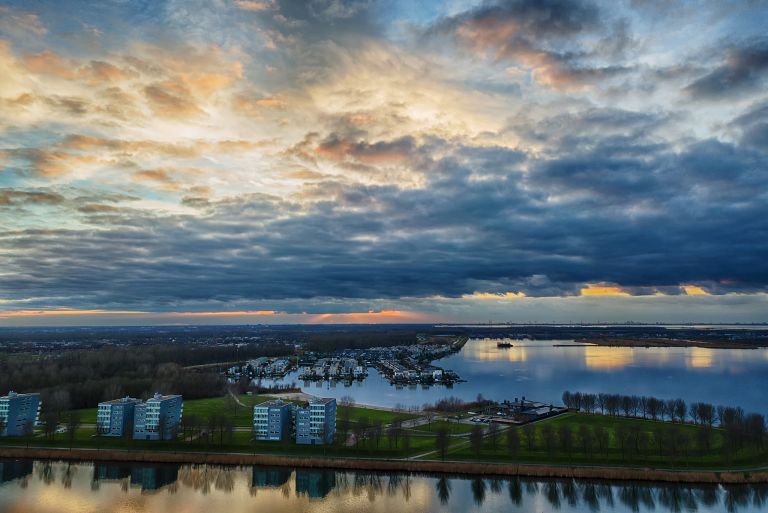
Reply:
x=700 y=358
x=210 y=488
x=608 y=358
x=487 y=350
x=206 y=488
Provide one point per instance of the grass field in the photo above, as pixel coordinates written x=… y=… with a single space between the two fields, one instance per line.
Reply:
x=423 y=441
x=650 y=455
x=456 y=428
x=203 y=408
x=374 y=415
x=240 y=441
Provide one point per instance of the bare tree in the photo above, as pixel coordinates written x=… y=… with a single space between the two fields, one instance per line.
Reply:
x=587 y=439
x=548 y=436
x=513 y=442
x=73 y=424
x=529 y=432
x=442 y=442
x=603 y=438
x=565 y=435
x=493 y=434
x=393 y=432
x=406 y=439
x=476 y=439
x=51 y=421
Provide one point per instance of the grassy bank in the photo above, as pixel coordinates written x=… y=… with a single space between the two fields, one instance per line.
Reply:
x=647 y=444
x=242 y=414
x=641 y=448
x=368 y=464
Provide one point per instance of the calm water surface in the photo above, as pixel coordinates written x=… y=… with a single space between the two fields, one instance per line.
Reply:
x=541 y=370
x=43 y=487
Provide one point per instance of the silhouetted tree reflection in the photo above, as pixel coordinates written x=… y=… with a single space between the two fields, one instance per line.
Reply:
x=515 y=491
x=46 y=473
x=605 y=493
x=393 y=484
x=759 y=495
x=478 y=491
x=589 y=496
x=735 y=497
x=495 y=485
x=323 y=484
x=707 y=495
x=569 y=492
x=406 y=487
x=443 y=487
x=671 y=497
x=531 y=486
x=552 y=493
x=68 y=474
x=629 y=495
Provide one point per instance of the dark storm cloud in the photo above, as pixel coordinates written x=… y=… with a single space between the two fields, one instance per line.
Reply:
x=14 y=197
x=742 y=69
x=753 y=127
x=543 y=227
x=545 y=36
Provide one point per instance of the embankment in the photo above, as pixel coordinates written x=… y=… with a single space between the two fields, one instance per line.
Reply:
x=361 y=464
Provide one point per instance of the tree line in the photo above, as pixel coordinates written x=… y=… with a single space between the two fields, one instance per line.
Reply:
x=83 y=378
x=740 y=429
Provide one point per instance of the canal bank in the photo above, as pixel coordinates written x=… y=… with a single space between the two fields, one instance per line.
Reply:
x=745 y=476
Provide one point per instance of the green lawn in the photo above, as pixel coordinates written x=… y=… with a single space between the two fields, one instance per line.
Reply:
x=243 y=416
x=452 y=427
x=650 y=455
x=240 y=442
x=423 y=441
x=373 y=415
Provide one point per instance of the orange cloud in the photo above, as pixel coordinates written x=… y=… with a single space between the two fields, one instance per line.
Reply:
x=49 y=63
x=603 y=290
x=100 y=71
x=254 y=5
x=171 y=99
x=694 y=290
x=254 y=105
x=51 y=163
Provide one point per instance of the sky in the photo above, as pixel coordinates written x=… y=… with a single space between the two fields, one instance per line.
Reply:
x=275 y=161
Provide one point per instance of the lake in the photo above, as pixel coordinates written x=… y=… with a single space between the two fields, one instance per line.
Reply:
x=541 y=370
x=43 y=487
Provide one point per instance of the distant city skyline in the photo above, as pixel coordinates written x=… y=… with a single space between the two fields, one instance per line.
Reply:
x=371 y=161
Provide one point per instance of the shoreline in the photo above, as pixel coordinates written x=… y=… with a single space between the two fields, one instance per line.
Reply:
x=663 y=342
x=388 y=465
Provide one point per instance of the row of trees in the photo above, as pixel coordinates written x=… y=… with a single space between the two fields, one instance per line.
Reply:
x=674 y=410
x=93 y=375
x=455 y=405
